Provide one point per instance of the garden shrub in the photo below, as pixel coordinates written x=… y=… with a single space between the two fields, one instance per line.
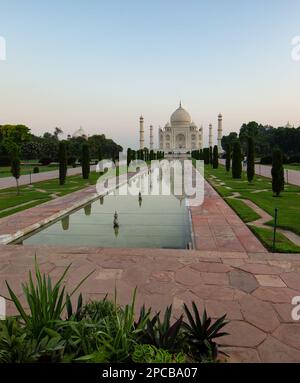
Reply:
x=45 y=161
x=53 y=329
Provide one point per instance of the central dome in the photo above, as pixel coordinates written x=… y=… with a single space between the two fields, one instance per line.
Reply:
x=181 y=117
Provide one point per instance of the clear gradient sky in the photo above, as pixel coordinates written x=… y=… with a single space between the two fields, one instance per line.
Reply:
x=101 y=64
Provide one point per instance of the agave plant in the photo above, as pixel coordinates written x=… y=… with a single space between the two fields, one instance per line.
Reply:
x=45 y=302
x=163 y=334
x=200 y=334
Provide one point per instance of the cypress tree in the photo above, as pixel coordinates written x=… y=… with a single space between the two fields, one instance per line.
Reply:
x=215 y=157
x=277 y=172
x=206 y=156
x=236 y=160
x=210 y=155
x=100 y=156
x=85 y=161
x=62 y=158
x=152 y=155
x=201 y=155
x=16 y=170
x=228 y=157
x=250 y=159
x=129 y=156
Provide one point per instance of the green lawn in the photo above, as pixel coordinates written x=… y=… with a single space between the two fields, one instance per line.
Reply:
x=288 y=203
x=283 y=244
x=292 y=166
x=244 y=211
x=40 y=192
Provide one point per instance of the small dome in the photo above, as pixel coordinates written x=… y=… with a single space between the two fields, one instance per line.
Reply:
x=167 y=125
x=79 y=133
x=181 y=117
x=193 y=125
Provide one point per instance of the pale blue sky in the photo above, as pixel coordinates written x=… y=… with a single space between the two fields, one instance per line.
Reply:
x=100 y=64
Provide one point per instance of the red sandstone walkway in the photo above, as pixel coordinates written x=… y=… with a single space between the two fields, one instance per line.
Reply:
x=218 y=228
x=255 y=290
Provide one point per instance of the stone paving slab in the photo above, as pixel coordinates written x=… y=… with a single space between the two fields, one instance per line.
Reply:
x=218 y=228
x=261 y=327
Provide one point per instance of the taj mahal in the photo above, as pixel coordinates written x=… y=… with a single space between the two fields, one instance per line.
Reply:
x=180 y=134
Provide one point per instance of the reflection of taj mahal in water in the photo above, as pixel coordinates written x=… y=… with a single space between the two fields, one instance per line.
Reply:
x=181 y=134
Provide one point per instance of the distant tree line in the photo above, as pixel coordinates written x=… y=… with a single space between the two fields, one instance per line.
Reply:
x=144 y=155
x=266 y=138
x=45 y=148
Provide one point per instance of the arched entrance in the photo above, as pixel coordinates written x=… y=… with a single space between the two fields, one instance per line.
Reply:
x=180 y=141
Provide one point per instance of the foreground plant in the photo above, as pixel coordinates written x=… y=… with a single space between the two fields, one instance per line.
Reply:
x=200 y=334
x=45 y=302
x=18 y=346
x=146 y=353
x=163 y=334
x=100 y=331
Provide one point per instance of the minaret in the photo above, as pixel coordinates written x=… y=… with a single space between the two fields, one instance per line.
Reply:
x=220 y=127
x=210 y=140
x=151 y=137
x=142 y=139
x=201 y=137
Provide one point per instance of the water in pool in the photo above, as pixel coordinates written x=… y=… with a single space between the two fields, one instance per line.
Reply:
x=150 y=222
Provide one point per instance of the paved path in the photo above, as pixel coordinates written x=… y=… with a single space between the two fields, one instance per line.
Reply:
x=7 y=182
x=254 y=289
x=291 y=176
x=218 y=228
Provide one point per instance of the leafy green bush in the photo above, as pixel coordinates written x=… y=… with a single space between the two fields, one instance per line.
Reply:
x=98 y=310
x=18 y=346
x=146 y=353
x=45 y=161
x=36 y=169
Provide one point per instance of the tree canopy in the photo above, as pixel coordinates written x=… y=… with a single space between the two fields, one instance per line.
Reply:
x=266 y=138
